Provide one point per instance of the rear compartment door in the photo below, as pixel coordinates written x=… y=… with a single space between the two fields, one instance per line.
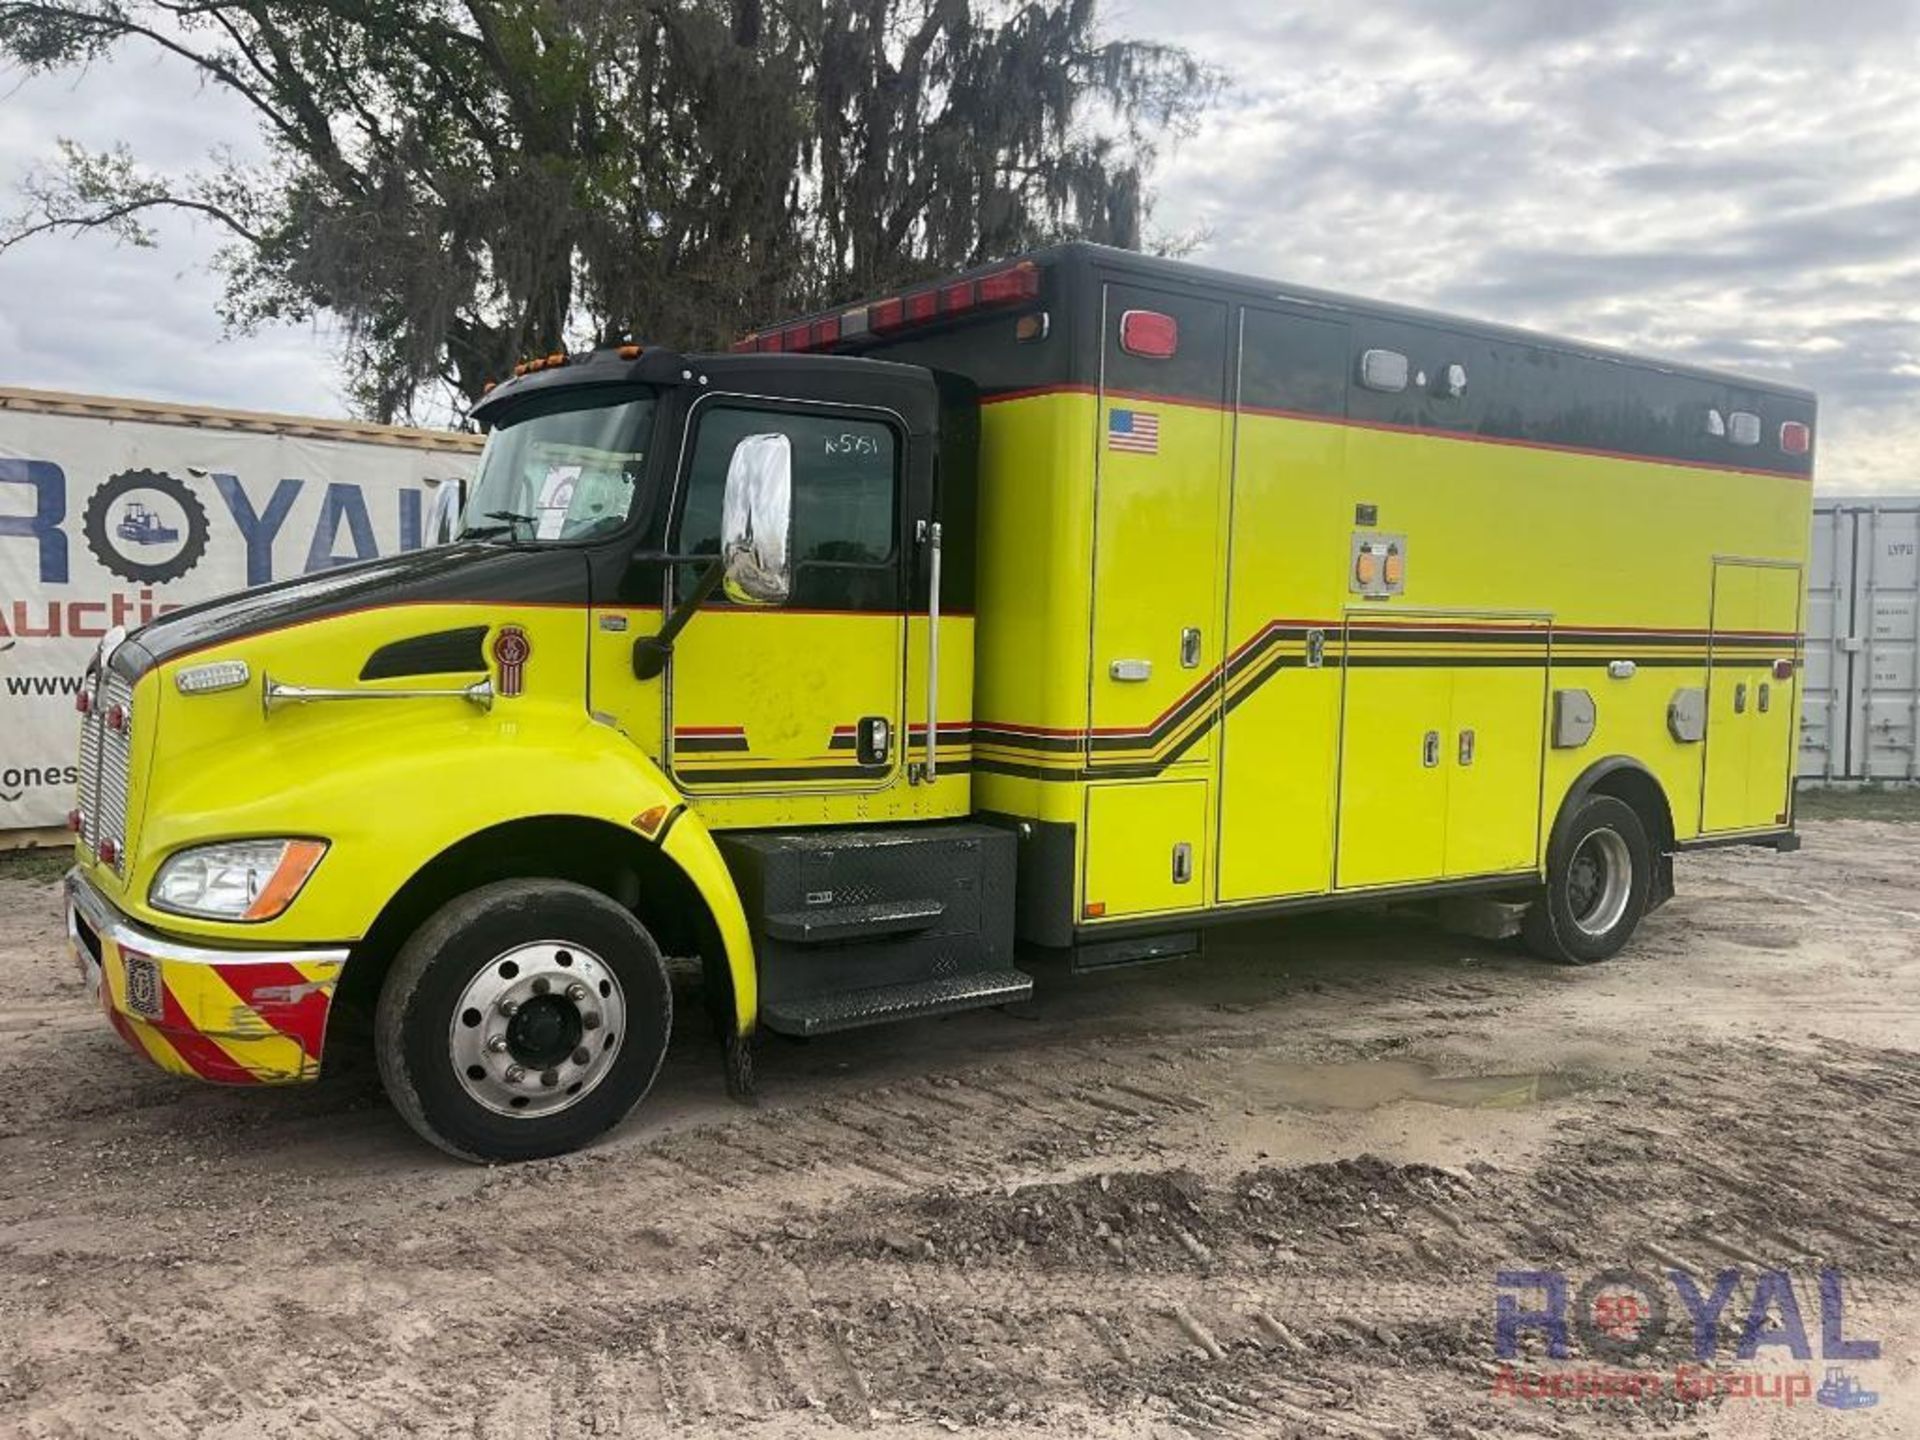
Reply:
x=1752 y=696
x=1161 y=456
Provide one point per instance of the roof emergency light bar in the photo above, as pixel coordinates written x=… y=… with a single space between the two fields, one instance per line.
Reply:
x=1010 y=285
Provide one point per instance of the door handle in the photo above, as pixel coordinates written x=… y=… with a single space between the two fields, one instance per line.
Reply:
x=1430 y=749
x=1190 y=648
x=1740 y=698
x=1766 y=697
x=1466 y=747
x=873 y=739
x=1131 y=670
x=1182 y=863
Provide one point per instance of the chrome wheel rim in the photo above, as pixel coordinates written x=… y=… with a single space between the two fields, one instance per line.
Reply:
x=1599 y=882
x=537 y=1029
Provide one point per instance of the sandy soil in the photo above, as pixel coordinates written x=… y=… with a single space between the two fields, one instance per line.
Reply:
x=1266 y=1192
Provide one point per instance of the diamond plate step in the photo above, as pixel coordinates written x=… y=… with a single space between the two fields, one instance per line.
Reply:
x=850 y=1009
x=854 y=922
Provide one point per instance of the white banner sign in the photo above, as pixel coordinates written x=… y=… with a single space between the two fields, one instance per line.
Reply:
x=111 y=521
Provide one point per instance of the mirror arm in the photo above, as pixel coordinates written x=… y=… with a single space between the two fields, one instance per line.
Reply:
x=651 y=652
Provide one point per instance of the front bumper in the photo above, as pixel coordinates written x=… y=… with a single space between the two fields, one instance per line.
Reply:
x=239 y=1017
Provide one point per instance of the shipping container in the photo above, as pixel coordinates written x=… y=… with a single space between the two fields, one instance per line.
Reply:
x=1860 y=703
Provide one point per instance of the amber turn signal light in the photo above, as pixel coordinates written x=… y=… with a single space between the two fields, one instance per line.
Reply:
x=287 y=878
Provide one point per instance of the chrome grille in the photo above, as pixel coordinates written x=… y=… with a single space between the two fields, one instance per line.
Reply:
x=104 y=760
x=88 y=800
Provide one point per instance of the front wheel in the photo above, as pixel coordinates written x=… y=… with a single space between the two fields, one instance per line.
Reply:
x=1598 y=875
x=523 y=1019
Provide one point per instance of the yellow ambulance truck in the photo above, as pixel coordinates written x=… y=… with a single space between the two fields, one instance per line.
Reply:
x=1072 y=605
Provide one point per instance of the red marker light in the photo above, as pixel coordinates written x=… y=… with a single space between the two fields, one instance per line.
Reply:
x=1012 y=285
x=824 y=332
x=1796 y=438
x=109 y=852
x=83 y=702
x=1149 y=334
x=922 y=307
x=117 y=719
x=887 y=314
x=76 y=822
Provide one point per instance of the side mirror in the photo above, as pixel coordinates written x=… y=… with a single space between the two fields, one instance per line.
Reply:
x=446 y=503
x=756 y=521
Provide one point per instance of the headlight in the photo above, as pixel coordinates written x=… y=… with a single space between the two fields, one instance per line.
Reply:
x=236 y=880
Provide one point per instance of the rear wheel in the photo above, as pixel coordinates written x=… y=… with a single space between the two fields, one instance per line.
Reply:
x=1598 y=875
x=523 y=1019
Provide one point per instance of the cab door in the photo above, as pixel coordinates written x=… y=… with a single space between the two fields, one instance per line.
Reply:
x=805 y=695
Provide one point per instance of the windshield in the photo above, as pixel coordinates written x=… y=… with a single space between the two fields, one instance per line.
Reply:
x=565 y=470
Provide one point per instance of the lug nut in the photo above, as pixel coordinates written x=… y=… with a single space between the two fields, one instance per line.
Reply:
x=550 y=1078
x=497 y=1043
x=576 y=992
x=540 y=986
x=582 y=1055
x=508 y=1005
x=515 y=1074
x=591 y=1019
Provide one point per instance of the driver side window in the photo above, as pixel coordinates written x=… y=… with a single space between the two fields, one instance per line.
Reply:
x=845 y=501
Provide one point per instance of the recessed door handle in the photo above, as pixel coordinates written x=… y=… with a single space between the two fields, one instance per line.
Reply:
x=1466 y=747
x=1190 y=648
x=1740 y=698
x=1182 y=863
x=1430 y=749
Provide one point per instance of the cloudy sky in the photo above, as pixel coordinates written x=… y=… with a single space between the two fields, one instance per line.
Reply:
x=1731 y=182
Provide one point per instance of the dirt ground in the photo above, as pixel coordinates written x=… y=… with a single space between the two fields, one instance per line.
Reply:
x=1266 y=1192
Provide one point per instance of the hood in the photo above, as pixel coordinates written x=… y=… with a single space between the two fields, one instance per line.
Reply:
x=473 y=572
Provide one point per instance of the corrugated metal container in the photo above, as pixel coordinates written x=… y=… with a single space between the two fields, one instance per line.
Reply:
x=1860 y=695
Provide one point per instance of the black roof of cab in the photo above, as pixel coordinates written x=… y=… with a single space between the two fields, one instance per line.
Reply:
x=907 y=390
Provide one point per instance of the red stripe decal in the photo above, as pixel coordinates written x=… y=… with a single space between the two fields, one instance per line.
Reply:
x=302 y=1018
x=207 y=1059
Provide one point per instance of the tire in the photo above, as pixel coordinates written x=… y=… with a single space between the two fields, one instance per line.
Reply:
x=571 y=987
x=1582 y=917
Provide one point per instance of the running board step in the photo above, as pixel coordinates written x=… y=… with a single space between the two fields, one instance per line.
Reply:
x=854 y=922
x=850 y=1009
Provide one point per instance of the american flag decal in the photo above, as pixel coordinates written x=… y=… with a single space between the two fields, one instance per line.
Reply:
x=1135 y=431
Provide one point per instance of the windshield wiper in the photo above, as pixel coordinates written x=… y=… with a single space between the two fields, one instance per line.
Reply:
x=490 y=532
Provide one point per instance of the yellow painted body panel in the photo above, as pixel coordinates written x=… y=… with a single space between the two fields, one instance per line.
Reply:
x=1595 y=558
x=1393 y=803
x=1752 y=714
x=1155 y=569
x=1132 y=830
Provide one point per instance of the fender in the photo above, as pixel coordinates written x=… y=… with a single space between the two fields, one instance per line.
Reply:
x=1629 y=780
x=387 y=806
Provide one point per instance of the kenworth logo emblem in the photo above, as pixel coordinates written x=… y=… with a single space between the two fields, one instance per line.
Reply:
x=510 y=651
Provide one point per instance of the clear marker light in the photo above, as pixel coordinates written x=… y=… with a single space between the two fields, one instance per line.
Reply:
x=214 y=675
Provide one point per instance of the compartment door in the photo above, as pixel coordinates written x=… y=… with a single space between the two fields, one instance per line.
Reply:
x=1723 y=793
x=1776 y=701
x=1494 y=749
x=1145 y=850
x=1394 y=774
x=1159 y=481
x=1752 y=712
